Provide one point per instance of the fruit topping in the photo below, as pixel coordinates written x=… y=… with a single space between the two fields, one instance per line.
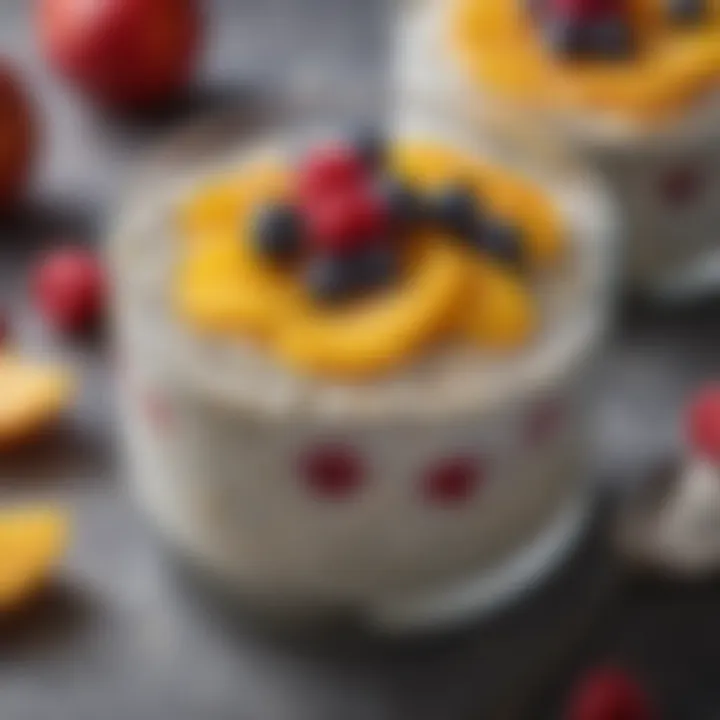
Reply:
x=345 y=222
x=687 y=12
x=376 y=266
x=69 y=289
x=455 y=208
x=278 y=232
x=587 y=10
x=497 y=311
x=404 y=205
x=330 y=278
x=503 y=242
x=328 y=169
x=355 y=300
x=586 y=28
x=609 y=39
x=349 y=209
x=372 y=336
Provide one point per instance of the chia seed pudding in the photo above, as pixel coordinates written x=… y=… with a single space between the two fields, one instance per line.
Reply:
x=412 y=497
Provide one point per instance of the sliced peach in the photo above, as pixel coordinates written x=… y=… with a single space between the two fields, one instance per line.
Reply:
x=497 y=311
x=377 y=334
x=222 y=286
x=222 y=202
x=32 y=395
x=510 y=197
x=32 y=539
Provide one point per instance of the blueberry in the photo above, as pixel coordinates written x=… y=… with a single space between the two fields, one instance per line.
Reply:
x=503 y=242
x=371 y=147
x=456 y=209
x=404 y=205
x=606 y=39
x=610 y=39
x=375 y=267
x=564 y=37
x=687 y=12
x=330 y=278
x=277 y=231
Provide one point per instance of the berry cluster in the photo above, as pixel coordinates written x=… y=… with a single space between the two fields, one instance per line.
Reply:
x=348 y=216
x=585 y=28
x=688 y=12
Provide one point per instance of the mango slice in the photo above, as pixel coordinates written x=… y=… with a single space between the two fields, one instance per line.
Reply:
x=498 y=312
x=225 y=201
x=508 y=196
x=223 y=286
x=377 y=334
x=32 y=395
x=32 y=539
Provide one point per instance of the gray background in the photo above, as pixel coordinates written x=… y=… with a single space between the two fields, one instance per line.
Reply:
x=121 y=637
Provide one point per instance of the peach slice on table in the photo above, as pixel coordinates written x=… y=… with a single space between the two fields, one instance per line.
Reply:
x=32 y=395
x=32 y=539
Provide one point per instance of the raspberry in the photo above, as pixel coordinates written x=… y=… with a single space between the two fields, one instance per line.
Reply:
x=69 y=289
x=331 y=168
x=588 y=9
x=347 y=222
x=609 y=694
x=703 y=422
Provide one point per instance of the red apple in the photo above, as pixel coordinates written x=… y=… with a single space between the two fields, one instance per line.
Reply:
x=17 y=137
x=124 y=53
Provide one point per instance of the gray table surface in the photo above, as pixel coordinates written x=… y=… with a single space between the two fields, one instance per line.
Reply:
x=119 y=637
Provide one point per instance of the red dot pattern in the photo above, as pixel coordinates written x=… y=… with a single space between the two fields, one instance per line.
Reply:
x=454 y=480
x=338 y=471
x=333 y=472
x=681 y=185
